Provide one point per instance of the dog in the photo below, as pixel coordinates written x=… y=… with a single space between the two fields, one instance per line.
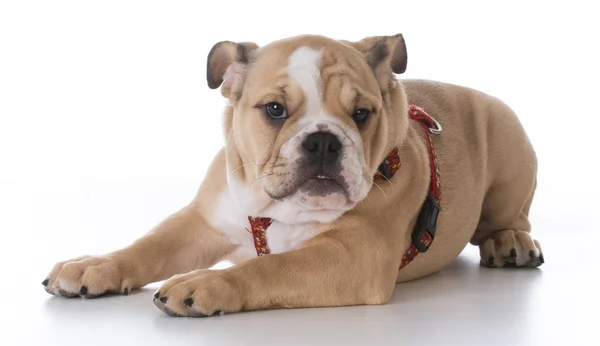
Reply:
x=336 y=181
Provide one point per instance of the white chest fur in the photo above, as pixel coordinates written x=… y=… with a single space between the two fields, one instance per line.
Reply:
x=231 y=218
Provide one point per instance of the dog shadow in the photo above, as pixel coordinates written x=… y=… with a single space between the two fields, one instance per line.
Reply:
x=460 y=294
x=108 y=306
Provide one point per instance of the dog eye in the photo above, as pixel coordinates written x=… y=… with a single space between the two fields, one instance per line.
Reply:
x=360 y=115
x=275 y=110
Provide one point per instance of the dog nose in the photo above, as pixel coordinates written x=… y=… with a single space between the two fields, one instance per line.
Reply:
x=322 y=146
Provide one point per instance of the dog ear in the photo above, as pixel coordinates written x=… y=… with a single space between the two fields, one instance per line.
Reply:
x=385 y=55
x=227 y=65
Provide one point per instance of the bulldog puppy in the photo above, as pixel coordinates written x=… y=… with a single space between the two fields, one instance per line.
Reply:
x=303 y=199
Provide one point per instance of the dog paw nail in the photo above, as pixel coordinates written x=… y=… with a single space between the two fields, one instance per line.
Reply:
x=83 y=291
x=513 y=253
x=490 y=261
x=531 y=254
x=189 y=302
x=126 y=292
x=163 y=299
x=45 y=282
x=156 y=294
x=66 y=294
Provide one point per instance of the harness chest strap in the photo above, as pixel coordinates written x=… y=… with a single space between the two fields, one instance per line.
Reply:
x=424 y=231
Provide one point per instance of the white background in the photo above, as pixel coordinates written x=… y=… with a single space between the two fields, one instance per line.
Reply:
x=107 y=124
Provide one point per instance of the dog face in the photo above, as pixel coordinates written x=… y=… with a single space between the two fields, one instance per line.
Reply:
x=309 y=118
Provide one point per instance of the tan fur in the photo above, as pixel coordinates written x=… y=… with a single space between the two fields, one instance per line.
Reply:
x=488 y=176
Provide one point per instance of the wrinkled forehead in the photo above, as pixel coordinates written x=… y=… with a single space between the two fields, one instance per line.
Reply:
x=277 y=54
x=320 y=68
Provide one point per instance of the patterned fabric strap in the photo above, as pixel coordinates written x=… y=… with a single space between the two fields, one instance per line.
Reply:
x=424 y=231
x=426 y=122
x=412 y=250
x=389 y=166
x=258 y=228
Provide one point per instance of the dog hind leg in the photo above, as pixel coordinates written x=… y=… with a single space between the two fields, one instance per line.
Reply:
x=503 y=232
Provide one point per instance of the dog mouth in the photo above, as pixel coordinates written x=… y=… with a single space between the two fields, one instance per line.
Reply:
x=317 y=185
x=322 y=186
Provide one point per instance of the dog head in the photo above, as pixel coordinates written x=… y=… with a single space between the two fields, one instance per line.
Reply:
x=309 y=120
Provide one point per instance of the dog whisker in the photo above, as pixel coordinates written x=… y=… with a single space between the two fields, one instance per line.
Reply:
x=380 y=189
x=262 y=177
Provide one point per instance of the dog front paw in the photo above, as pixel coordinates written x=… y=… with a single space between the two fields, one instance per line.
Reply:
x=87 y=277
x=200 y=293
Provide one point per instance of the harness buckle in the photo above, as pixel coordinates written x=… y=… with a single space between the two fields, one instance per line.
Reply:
x=424 y=231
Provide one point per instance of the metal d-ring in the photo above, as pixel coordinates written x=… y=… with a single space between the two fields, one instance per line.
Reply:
x=438 y=128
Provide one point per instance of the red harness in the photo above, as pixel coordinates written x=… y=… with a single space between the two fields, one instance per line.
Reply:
x=424 y=230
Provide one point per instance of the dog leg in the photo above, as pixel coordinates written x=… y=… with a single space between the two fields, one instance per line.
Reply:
x=503 y=231
x=181 y=243
x=333 y=269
